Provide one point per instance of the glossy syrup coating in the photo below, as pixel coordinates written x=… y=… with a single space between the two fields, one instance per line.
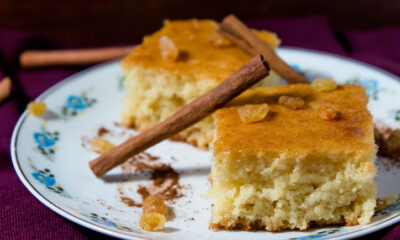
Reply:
x=203 y=54
x=297 y=132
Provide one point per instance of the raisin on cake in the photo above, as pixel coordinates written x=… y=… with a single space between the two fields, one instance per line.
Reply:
x=302 y=165
x=174 y=66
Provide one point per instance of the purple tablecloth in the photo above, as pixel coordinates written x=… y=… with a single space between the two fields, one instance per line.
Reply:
x=24 y=217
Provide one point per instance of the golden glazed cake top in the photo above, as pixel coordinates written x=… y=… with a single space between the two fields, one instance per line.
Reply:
x=203 y=54
x=300 y=132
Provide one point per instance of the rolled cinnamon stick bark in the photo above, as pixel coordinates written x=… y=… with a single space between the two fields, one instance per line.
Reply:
x=42 y=58
x=236 y=31
x=5 y=88
x=249 y=74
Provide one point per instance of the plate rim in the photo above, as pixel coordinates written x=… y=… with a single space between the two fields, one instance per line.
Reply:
x=76 y=219
x=35 y=192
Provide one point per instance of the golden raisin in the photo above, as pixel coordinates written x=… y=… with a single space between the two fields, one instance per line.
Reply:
x=169 y=51
x=291 y=102
x=324 y=84
x=37 y=108
x=393 y=142
x=100 y=145
x=217 y=40
x=253 y=112
x=152 y=221
x=327 y=113
x=153 y=203
x=196 y=24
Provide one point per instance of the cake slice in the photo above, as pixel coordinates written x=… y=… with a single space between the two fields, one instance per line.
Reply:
x=174 y=66
x=295 y=168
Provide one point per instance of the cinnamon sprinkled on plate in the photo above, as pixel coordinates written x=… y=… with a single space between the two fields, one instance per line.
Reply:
x=164 y=179
x=165 y=184
x=127 y=200
x=102 y=131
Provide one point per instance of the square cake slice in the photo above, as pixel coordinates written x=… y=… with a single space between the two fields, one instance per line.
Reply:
x=174 y=66
x=295 y=168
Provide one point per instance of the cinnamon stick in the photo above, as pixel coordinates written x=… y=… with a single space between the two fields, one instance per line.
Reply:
x=42 y=58
x=237 y=32
x=249 y=74
x=5 y=88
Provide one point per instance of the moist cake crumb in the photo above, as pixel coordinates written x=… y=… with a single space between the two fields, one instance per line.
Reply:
x=174 y=66
x=294 y=170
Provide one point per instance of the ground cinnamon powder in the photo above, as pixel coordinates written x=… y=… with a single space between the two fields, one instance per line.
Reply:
x=101 y=131
x=165 y=180
x=127 y=200
x=165 y=184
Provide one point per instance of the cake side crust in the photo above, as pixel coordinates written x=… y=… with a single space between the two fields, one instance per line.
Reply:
x=294 y=170
x=277 y=194
x=152 y=96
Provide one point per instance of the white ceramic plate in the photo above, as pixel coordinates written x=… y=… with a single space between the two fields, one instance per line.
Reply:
x=51 y=159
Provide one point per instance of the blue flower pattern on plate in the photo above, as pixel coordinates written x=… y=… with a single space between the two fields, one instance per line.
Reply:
x=370 y=86
x=296 y=67
x=75 y=102
x=105 y=222
x=46 y=141
x=316 y=236
x=46 y=180
x=313 y=236
x=42 y=140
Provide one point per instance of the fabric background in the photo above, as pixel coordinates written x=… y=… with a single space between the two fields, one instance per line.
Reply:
x=24 y=217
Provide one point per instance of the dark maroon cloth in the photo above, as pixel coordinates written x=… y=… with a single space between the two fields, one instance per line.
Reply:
x=308 y=32
x=380 y=47
x=24 y=217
